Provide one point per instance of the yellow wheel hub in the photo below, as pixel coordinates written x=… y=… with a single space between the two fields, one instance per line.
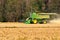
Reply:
x=45 y=22
x=34 y=21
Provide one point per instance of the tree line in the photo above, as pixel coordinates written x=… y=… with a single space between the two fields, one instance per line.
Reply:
x=15 y=10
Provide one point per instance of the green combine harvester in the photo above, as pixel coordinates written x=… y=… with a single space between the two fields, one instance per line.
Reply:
x=41 y=18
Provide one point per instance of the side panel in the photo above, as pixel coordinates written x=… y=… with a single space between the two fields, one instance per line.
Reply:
x=44 y=16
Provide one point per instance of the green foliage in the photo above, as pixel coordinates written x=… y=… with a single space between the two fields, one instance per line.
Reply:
x=14 y=10
x=54 y=6
x=37 y=5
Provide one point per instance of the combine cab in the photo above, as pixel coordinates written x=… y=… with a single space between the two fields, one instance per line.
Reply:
x=41 y=18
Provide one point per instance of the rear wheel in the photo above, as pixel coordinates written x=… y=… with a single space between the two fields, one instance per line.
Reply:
x=44 y=22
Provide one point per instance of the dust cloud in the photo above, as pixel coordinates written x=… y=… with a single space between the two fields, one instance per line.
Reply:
x=57 y=20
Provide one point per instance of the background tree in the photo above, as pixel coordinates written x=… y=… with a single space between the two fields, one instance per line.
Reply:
x=15 y=10
x=1 y=10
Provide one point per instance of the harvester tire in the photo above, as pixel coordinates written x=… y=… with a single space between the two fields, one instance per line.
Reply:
x=34 y=21
x=44 y=22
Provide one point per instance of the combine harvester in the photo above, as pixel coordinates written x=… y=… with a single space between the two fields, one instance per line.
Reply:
x=41 y=18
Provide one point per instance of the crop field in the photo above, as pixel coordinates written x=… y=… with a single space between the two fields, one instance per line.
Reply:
x=29 y=33
x=21 y=31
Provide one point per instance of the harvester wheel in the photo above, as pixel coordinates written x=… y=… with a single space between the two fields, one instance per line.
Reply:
x=34 y=21
x=44 y=22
